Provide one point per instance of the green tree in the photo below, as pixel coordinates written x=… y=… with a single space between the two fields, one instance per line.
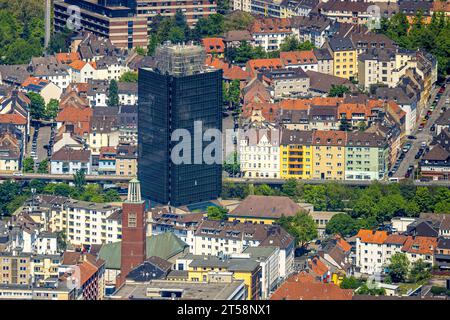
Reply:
x=263 y=190
x=176 y=35
x=217 y=213
x=316 y=195
x=79 y=180
x=345 y=125
x=301 y=226
x=291 y=188
x=398 y=268
x=423 y=198
x=351 y=283
x=338 y=90
x=37 y=105
x=232 y=164
x=292 y=43
x=129 y=76
x=111 y=196
x=28 y=165
x=113 y=96
x=51 y=110
x=43 y=166
x=420 y=270
x=342 y=224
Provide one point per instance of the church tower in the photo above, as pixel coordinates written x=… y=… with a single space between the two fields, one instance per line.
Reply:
x=133 y=230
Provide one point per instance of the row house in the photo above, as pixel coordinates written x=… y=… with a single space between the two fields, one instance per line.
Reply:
x=259 y=154
x=51 y=69
x=104 y=130
x=269 y=33
x=82 y=71
x=306 y=60
x=110 y=68
x=120 y=160
x=354 y=12
x=344 y=57
x=10 y=153
x=286 y=83
x=128 y=124
x=69 y=161
x=297 y=8
x=435 y=164
x=296 y=154
x=374 y=249
x=383 y=66
x=48 y=90
x=313 y=28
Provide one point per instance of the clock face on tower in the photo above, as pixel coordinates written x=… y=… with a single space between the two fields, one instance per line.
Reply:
x=132 y=220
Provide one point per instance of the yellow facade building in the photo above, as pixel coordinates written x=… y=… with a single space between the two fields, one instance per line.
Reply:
x=205 y=268
x=296 y=155
x=329 y=155
x=345 y=59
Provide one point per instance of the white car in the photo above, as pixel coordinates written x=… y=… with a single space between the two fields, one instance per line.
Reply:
x=17 y=174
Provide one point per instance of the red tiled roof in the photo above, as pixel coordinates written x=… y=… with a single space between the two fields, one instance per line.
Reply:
x=213 y=45
x=298 y=57
x=35 y=81
x=67 y=57
x=269 y=111
x=344 y=245
x=305 y=287
x=372 y=236
x=271 y=25
x=13 y=118
x=79 y=64
x=332 y=137
x=318 y=267
x=263 y=64
x=420 y=245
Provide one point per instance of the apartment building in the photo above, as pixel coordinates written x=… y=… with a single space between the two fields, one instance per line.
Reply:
x=306 y=60
x=286 y=83
x=269 y=33
x=354 y=12
x=374 y=249
x=259 y=153
x=383 y=66
x=344 y=57
x=324 y=61
x=329 y=154
x=366 y=156
x=296 y=154
x=69 y=161
x=87 y=222
x=313 y=28
x=126 y=160
x=10 y=153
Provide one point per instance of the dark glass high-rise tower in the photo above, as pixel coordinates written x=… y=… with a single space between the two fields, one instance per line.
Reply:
x=174 y=94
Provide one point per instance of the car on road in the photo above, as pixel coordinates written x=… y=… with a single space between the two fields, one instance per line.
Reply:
x=402 y=156
x=17 y=174
x=390 y=174
x=394 y=179
x=423 y=144
x=412 y=137
x=433 y=128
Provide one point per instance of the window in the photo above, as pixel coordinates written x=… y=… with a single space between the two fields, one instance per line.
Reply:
x=132 y=220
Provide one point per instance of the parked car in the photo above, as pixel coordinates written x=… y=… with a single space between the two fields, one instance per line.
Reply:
x=412 y=137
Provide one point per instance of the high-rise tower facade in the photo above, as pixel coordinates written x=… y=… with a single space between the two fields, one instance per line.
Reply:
x=179 y=93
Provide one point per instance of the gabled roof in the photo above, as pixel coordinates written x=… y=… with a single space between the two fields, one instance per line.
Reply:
x=213 y=45
x=298 y=57
x=437 y=153
x=303 y=286
x=372 y=236
x=67 y=154
x=272 y=207
x=420 y=245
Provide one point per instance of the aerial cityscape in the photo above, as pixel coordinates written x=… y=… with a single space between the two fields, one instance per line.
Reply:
x=255 y=150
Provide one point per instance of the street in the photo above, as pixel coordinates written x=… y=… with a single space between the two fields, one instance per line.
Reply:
x=422 y=136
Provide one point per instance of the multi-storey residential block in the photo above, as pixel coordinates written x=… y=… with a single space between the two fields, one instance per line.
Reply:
x=127 y=23
x=51 y=69
x=128 y=124
x=10 y=153
x=329 y=154
x=305 y=60
x=286 y=83
x=374 y=249
x=324 y=61
x=259 y=154
x=107 y=161
x=69 y=161
x=126 y=160
x=383 y=66
x=269 y=33
x=313 y=28
x=435 y=164
x=354 y=12
x=110 y=68
x=87 y=222
x=344 y=57
x=296 y=154
x=366 y=156
x=127 y=92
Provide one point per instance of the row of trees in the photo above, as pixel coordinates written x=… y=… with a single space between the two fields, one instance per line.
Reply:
x=433 y=37
x=361 y=207
x=28 y=166
x=14 y=194
x=40 y=110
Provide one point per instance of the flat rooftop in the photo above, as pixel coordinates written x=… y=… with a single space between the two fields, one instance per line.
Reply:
x=190 y=290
